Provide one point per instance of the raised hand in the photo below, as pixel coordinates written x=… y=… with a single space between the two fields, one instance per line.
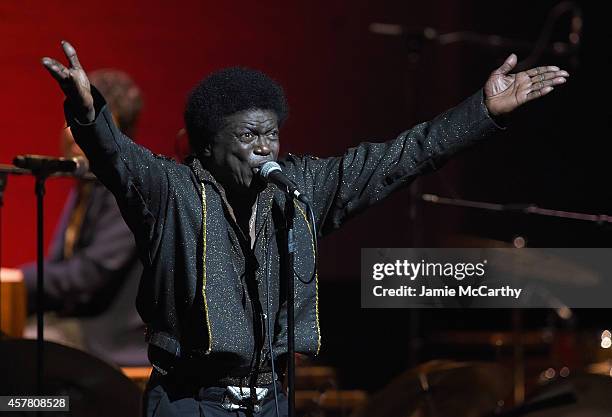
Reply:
x=505 y=92
x=74 y=83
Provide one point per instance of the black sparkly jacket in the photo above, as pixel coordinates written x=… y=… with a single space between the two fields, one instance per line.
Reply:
x=203 y=293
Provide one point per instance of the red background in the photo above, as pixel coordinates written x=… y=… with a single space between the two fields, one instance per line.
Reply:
x=341 y=81
x=344 y=85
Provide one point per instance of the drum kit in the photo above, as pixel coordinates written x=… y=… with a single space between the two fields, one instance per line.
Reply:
x=480 y=389
x=513 y=384
x=517 y=382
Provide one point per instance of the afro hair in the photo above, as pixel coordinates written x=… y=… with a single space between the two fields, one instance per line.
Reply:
x=226 y=92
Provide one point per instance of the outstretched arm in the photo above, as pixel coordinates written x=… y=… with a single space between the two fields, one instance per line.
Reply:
x=344 y=186
x=137 y=178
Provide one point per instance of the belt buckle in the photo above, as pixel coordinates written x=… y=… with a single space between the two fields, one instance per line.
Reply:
x=239 y=398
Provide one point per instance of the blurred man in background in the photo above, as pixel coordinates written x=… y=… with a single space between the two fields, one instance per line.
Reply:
x=92 y=269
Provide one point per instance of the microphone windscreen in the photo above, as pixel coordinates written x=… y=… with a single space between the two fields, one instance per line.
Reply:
x=268 y=168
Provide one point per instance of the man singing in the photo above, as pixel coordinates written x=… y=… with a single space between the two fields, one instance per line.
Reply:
x=211 y=234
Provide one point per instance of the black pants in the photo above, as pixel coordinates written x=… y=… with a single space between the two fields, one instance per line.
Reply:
x=174 y=396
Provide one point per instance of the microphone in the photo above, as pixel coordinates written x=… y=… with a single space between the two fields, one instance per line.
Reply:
x=272 y=172
x=77 y=166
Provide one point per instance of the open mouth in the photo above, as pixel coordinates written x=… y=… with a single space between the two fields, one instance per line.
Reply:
x=257 y=166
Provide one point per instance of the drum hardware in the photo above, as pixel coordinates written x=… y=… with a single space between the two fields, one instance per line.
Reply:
x=95 y=388
x=440 y=389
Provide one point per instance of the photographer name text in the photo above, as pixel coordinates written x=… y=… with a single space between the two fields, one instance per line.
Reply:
x=461 y=291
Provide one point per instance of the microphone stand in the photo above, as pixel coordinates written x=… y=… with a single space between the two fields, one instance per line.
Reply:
x=543 y=44
x=289 y=214
x=41 y=174
x=517 y=208
x=39 y=189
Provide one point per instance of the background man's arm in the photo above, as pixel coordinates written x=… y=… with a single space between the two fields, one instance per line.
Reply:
x=85 y=283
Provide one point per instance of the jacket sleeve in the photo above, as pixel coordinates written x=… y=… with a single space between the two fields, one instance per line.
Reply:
x=343 y=186
x=137 y=178
x=85 y=283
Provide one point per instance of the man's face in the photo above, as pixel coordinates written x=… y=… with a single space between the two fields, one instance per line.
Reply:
x=247 y=140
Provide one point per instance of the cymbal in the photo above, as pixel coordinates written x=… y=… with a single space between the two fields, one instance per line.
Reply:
x=528 y=263
x=500 y=339
x=532 y=263
x=95 y=388
x=441 y=389
x=473 y=241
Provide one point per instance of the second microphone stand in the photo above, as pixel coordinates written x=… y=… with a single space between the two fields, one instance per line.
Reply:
x=289 y=263
x=40 y=173
x=39 y=189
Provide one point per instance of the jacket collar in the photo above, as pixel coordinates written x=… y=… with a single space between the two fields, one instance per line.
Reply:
x=264 y=200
